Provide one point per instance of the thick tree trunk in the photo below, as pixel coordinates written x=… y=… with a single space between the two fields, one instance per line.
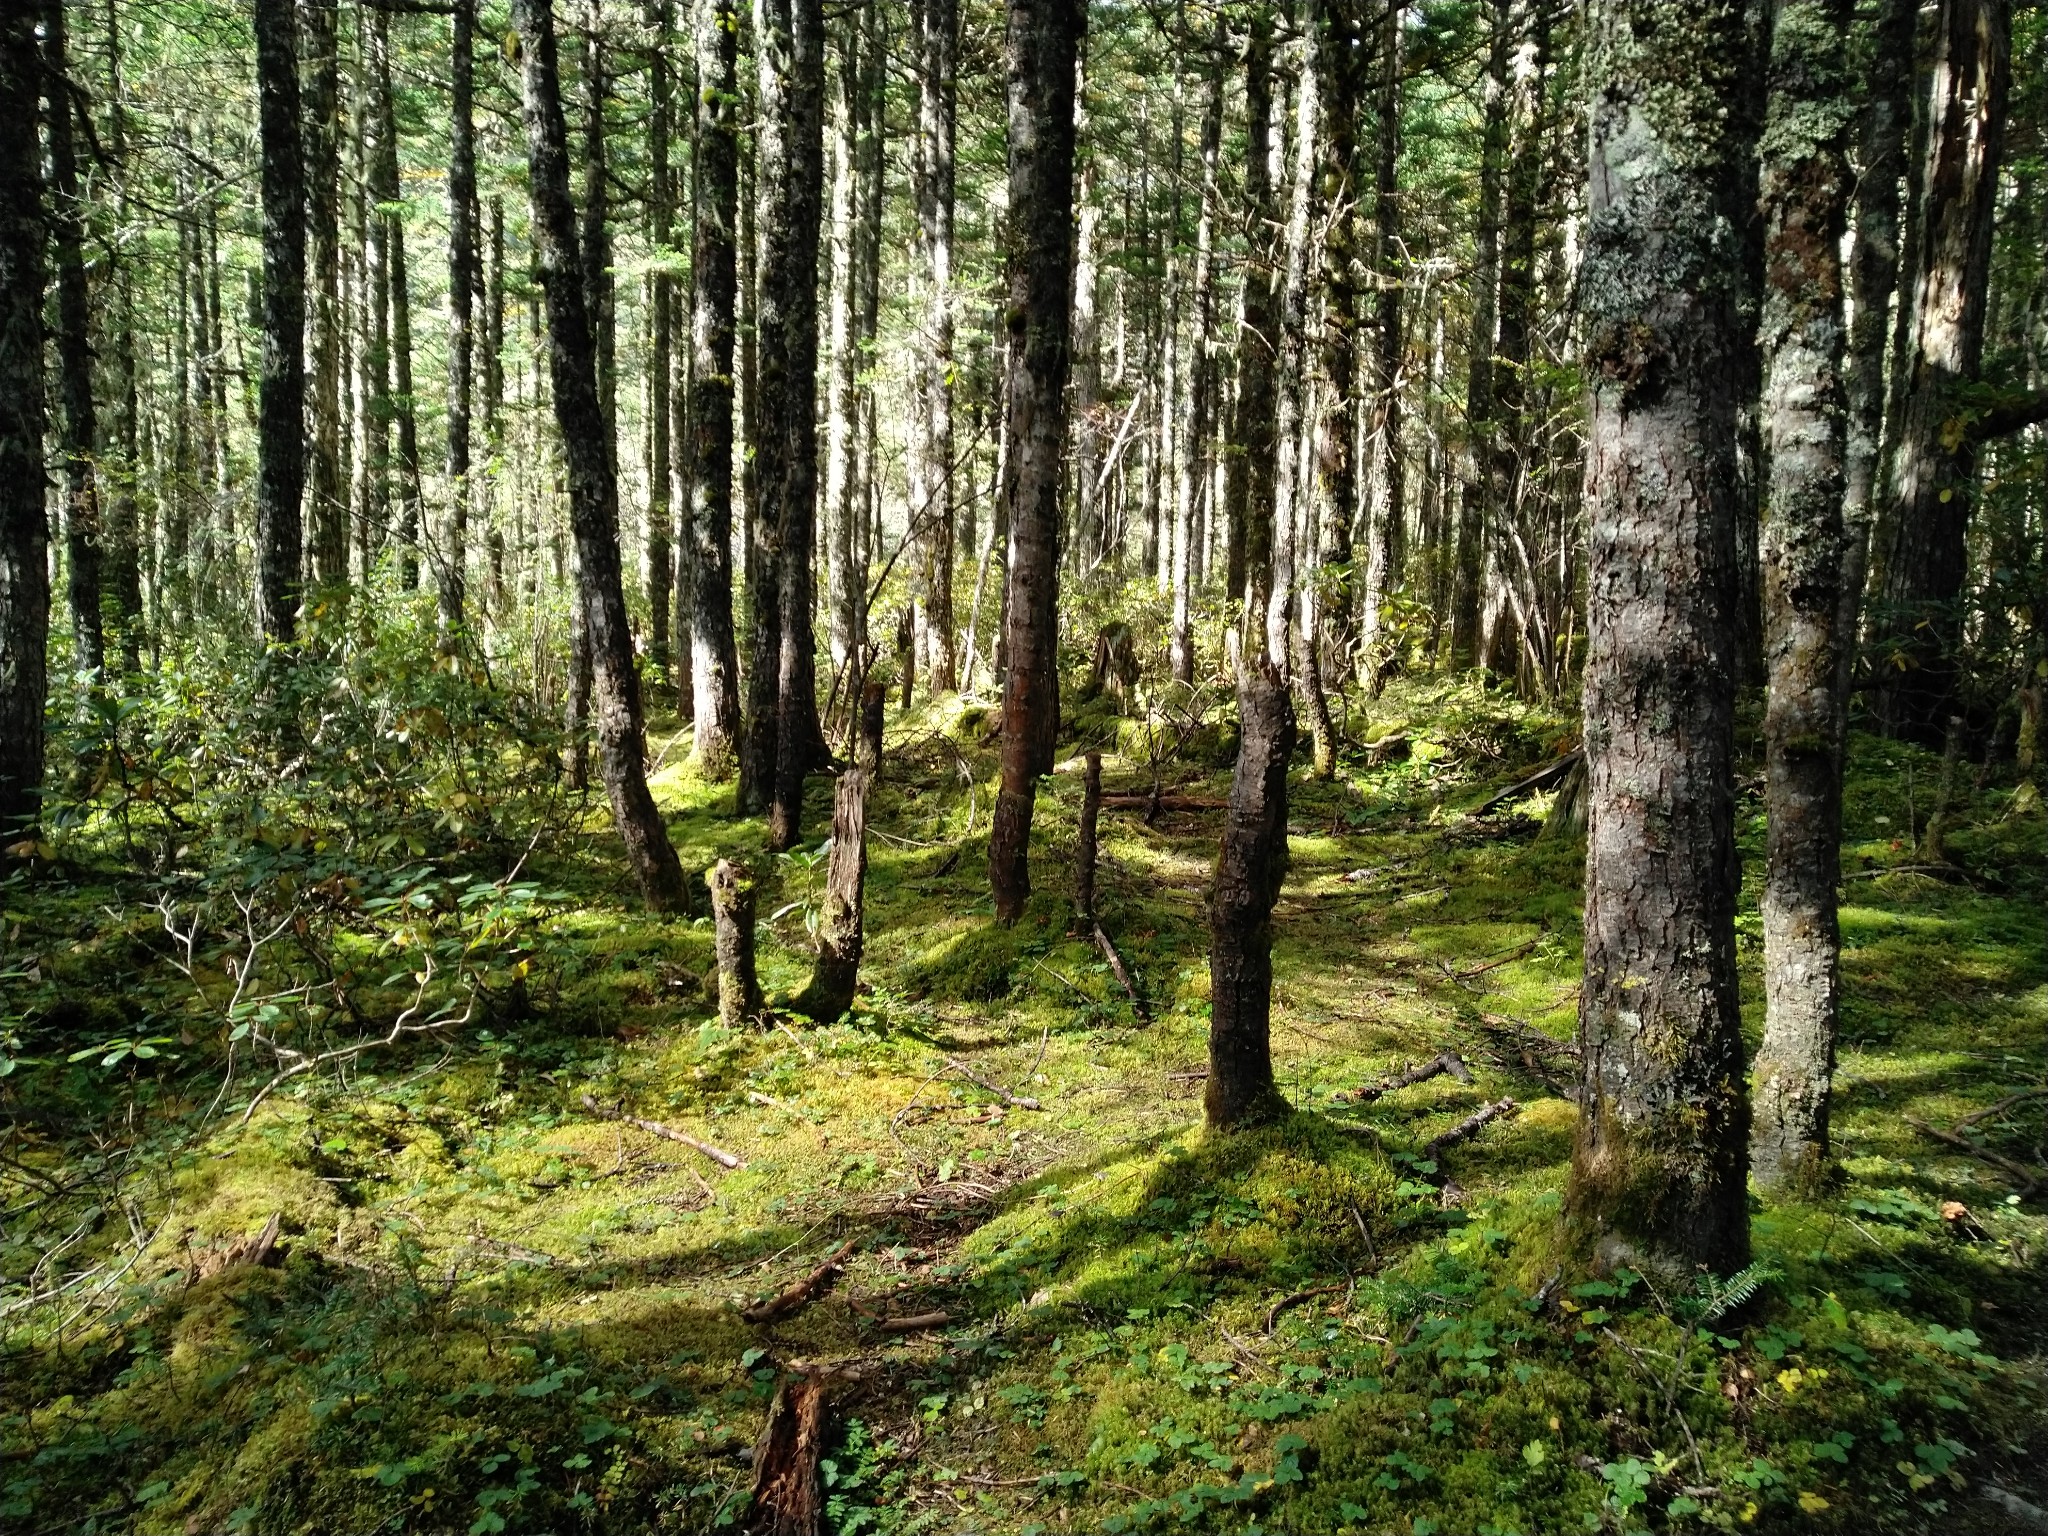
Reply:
x=1385 y=512
x=24 y=522
x=78 y=430
x=1241 y=1090
x=1919 y=623
x=280 y=432
x=326 y=488
x=714 y=662
x=1090 y=537
x=789 y=42
x=453 y=570
x=732 y=919
x=593 y=491
x=1043 y=39
x=932 y=496
x=1805 y=191
x=1248 y=456
x=1658 y=1169
x=1477 y=474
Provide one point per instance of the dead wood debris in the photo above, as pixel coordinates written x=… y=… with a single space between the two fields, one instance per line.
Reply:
x=1448 y=1061
x=718 y=1155
x=800 y=1293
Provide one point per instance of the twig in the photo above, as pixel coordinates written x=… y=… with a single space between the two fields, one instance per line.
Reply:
x=1154 y=803
x=1107 y=945
x=718 y=1155
x=2000 y=1107
x=915 y=1322
x=1013 y=1100
x=1493 y=965
x=2029 y=1179
x=1470 y=1126
x=1448 y=1061
x=1273 y=1312
x=799 y=1294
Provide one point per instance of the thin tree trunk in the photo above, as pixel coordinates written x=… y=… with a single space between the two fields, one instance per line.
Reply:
x=124 y=532
x=661 y=572
x=1935 y=470
x=845 y=586
x=391 y=214
x=1201 y=322
x=1043 y=41
x=713 y=264
x=1658 y=1165
x=1086 y=843
x=78 y=433
x=1327 y=595
x=1805 y=191
x=326 y=490
x=1090 y=532
x=1241 y=1091
x=453 y=571
x=939 y=51
x=593 y=500
x=494 y=395
x=1385 y=513
x=1478 y=472
x=24 y=525
x=280 y=446
x=758 y=540
x=1248 y=456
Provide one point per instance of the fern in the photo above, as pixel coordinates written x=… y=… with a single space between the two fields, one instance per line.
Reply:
x=1715 y=1299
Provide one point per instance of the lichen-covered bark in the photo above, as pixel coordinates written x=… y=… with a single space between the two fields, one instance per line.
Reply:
x=1804 y=202
x=836 y=970
x=931 y=470
x=1384 y=515
x=593 y=488
x=24 y=524
x=1241 y=1090
x=1934 y=475
x=281 y=390
x=732 y=925
x=1043 y=40
x=1657 y=1173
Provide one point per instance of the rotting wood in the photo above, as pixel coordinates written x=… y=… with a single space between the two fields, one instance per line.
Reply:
x=1122 y=973
x=1543 y=778
x=718 y=1155
x=801 y=1292
x=788 y=1496
x=732 y=914
x=1470 y=1126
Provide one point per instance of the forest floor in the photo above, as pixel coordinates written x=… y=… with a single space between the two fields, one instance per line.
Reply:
x=494 y=1305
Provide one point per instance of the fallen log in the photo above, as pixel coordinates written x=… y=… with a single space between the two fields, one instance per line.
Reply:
x=2029 y=1178
x=718 y=1155
x=800 y=1293
x=1163 y=803
x=788 y=1495
x=1541 y=779
x=1014 y=1101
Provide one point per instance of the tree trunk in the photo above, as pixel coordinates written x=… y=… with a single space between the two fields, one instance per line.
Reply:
x=1091 y=535
x=1248 y=456
x=845 y=586
x=1919 y=624
x=326 y=491
x=938 y=60
x=1385 y=512
x=453 y=569
x=390 y=214
x=78 y=434
x=867 y=499
x=280 y=436
x=1195 y=437
x=24 y=522
x=1658 y=1169
x=124 y=531
x=661 y=572
x=1478 y=472
x=790 y=45
x=1086 y=842
x=1241 y=1090
x=593 y=491
x=836 y=970
x=494 y=395
x=732 y=918
x=1326 y=611
x=1805 y=190
x=715 y=666
x=1043 y=40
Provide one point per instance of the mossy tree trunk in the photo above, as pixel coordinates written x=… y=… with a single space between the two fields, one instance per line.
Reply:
x=1658 y=1165
x=24 y=527
x=1241 y=1090
x=281 y=409
x=593 y=488
x=1805 y=191
x=1043 y=41
x=732 y=919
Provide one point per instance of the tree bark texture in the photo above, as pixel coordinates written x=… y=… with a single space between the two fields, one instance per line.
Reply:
x=1385 y=511
x=1248 y=456
x=1919 y=622
x=452 y=572
x=1241 y=1090
x=836 y=970
x=660 y=554
x=593 y=490
x=789 y=43
x=1804 y=202
x=281 y=393
x=1658 y=1165
x=846 y=586
x=326 y=488
x=732 y=919
x=1043 y=41
x=24 y=523
x=1195 y=434
x=932 y=493
x=390 y=217
x=714 y=266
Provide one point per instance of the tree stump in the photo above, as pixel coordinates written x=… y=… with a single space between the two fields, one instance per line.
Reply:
x=732 y=916
x=837 y=968
x=788 y=1499
x=1241 y=1090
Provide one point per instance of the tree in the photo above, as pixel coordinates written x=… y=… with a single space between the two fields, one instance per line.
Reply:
x=1248 y=455
x=24 y=525
x=1657 y=1175
x=1804 y=200
x=326 y=494
x=931 y=461
x=593 y=490
x=462 y=283
x=281 y=451
x=713 y=261
x=1043 y=39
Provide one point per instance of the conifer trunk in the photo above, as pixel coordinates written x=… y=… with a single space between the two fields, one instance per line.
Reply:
x=1385 y=513
x=1043 y=41
x=660 y=558
x=593 y=490
x=1248 y=455
x=280 y=447
x=1658 y=1165
x=326 y=491
x=844 y=586
x=932 y=496
x=1805 y=190
x=452 y=570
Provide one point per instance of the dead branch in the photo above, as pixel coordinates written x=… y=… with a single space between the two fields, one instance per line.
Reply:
x=800 y=1293
x=1448 y=1061
x=2029 y=1178
x=914 y=1322
x=1273 y=1312
x=1470 y=1126
x=1014 y=1101
x=1117 y=968
x=718 y=1155
x=1541 y=779
x=1153 y=804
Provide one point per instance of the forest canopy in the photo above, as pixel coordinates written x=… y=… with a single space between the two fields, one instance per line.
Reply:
x=1059 y=766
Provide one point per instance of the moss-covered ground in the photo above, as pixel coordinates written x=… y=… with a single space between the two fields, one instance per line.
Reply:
x=491 y=1308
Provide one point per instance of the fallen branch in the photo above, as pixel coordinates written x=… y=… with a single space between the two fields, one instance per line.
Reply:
x=914 y=1322
x=2029 y=1179
x=1273 y=1312
x=2000 y=1107
x=1470 y=1126
x=800 y=1293
x=1449 y=1061
x=1107 y=945
x=1153 y=803
x=1495 y=964
x=1541 y=779
x=718 y=1155
x=1014 y=1101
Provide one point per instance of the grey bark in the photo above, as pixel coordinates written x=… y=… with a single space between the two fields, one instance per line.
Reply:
x=1248 y=455
x=326 y=487
x=732 y=917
